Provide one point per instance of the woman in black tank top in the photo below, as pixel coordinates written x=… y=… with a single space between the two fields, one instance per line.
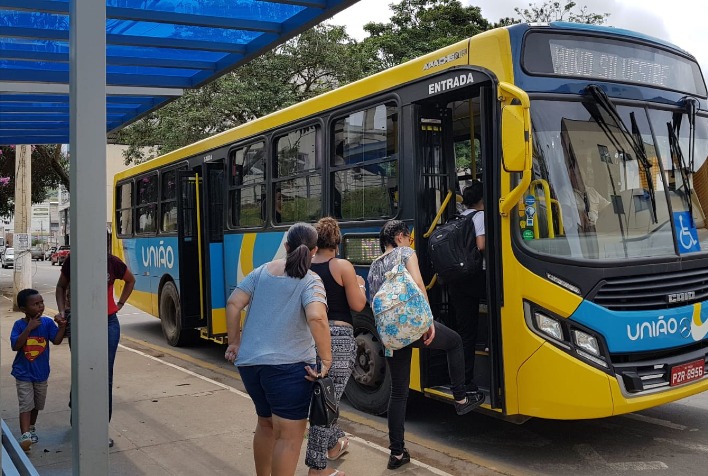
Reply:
x=345 y=292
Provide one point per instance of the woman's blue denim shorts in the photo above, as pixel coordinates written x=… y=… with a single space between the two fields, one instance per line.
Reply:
x=280 y=390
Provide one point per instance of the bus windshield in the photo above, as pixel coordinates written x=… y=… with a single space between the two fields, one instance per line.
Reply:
x=612 y=187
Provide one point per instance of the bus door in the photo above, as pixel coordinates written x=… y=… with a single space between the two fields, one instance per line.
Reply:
x=214 y=278
x=454 y=131
x=190 y=244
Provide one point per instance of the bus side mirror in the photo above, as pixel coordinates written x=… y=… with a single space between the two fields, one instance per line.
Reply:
x=514 y=138
x=516 y=142
x=515 y=128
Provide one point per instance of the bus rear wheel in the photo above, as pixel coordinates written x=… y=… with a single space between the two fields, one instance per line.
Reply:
x=369 y=387
x=171 y=318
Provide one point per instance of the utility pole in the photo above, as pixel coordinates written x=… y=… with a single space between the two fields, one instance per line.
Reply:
x=23 y=212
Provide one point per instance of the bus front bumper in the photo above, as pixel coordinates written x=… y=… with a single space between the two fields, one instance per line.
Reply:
x=553 y=384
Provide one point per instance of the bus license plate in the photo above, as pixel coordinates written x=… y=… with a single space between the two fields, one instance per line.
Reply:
x=687 y=372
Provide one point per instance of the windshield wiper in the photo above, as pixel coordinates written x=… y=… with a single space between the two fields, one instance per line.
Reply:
x=677 y=156
x=635 y=142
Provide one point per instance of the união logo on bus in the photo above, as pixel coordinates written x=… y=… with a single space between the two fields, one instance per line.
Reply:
x=158 y=256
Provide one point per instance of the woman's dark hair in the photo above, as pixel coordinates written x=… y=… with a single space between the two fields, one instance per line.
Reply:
x=301 y=240
x=328 y=234
x=23 y=295
x=473 y=194
x=387 y=235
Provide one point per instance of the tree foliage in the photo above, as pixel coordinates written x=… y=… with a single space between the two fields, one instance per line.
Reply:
x=316 y=61
x=47 y=160
x=551 y=10
x=418 y=27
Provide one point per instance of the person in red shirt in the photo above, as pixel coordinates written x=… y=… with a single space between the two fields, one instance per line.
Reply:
x=116 y=270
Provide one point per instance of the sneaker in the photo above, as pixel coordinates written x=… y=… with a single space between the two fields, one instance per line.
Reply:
x=395 y=463
x=26 y=441
x=471 y=388
x=33 y=433
x=110 y=442
x=472 y=401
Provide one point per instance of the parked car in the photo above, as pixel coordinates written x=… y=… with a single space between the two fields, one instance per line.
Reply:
x=8 y=258
x=48 y=254
x=60 y=255
x=37 y=253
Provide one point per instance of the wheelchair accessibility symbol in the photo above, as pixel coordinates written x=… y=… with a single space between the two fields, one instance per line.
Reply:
x=686 y=233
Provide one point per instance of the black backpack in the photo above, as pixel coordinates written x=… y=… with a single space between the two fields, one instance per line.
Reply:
x=453 y=249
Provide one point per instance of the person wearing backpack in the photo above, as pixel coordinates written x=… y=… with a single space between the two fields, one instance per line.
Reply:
x=466 y=293
x=395 y=241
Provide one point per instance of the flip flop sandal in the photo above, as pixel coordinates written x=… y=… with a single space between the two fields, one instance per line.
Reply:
x=336 y=473
x=343 y=446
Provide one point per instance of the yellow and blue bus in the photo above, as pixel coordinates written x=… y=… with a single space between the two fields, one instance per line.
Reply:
x=591 y=143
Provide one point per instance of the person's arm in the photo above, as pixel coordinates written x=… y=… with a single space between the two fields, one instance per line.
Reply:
x=129 y=280
x=480 y=243
x=21 y=340
x=237 y=301
x=60 y=293
x=316 y=313
x=59 y=336
x=353 y=284
x=414 y=270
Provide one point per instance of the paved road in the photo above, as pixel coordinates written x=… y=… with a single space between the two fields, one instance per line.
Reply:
x=667 y=440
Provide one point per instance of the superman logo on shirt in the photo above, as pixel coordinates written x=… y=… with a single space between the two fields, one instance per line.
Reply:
x=34 y=347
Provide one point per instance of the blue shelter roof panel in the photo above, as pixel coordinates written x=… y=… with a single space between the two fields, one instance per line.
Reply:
x=154 y=50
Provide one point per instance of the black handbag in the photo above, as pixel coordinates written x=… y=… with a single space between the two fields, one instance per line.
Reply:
x=324 y=410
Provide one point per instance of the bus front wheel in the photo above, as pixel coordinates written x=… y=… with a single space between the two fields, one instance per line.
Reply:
x=369 y=387
x=171 y=317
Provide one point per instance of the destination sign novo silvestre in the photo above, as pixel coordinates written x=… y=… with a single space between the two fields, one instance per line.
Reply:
x=613 y=60
x=612 y=67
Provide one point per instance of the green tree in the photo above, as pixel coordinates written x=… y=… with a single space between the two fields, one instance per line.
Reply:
x=316 y=61
x=550 y=11
x=418 y=27
x=49 y=170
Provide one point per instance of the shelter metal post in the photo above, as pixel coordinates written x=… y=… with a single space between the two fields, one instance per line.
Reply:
x=89 y=332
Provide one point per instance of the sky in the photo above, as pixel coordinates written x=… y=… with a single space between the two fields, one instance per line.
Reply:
x=681 y=22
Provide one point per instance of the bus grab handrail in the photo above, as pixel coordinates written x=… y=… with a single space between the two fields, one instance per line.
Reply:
x=549 y=208
x=434 y=224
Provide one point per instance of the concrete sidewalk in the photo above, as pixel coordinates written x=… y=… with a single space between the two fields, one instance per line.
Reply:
x=167 y=420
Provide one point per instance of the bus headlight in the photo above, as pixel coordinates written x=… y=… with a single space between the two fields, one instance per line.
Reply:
x=574 y=338
x=586 y=342
x=548 y=326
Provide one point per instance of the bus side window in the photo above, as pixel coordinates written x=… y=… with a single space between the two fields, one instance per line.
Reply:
x=247 y=185
x=147 y=204
x=364 y=164
x=297 y=192
x=168 y=202
x=124 y=208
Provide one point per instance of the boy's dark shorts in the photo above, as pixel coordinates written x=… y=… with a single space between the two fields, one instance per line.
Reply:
x=280 y=390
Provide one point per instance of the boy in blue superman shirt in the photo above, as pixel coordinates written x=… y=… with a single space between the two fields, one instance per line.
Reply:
x=30 y=338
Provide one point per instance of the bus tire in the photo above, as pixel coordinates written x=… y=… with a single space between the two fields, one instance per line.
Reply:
x=171 y=317
x=369 y=387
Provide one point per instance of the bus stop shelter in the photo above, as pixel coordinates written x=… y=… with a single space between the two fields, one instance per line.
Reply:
x=72 y=71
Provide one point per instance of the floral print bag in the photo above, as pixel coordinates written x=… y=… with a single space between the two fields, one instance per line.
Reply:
x=401 y=312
